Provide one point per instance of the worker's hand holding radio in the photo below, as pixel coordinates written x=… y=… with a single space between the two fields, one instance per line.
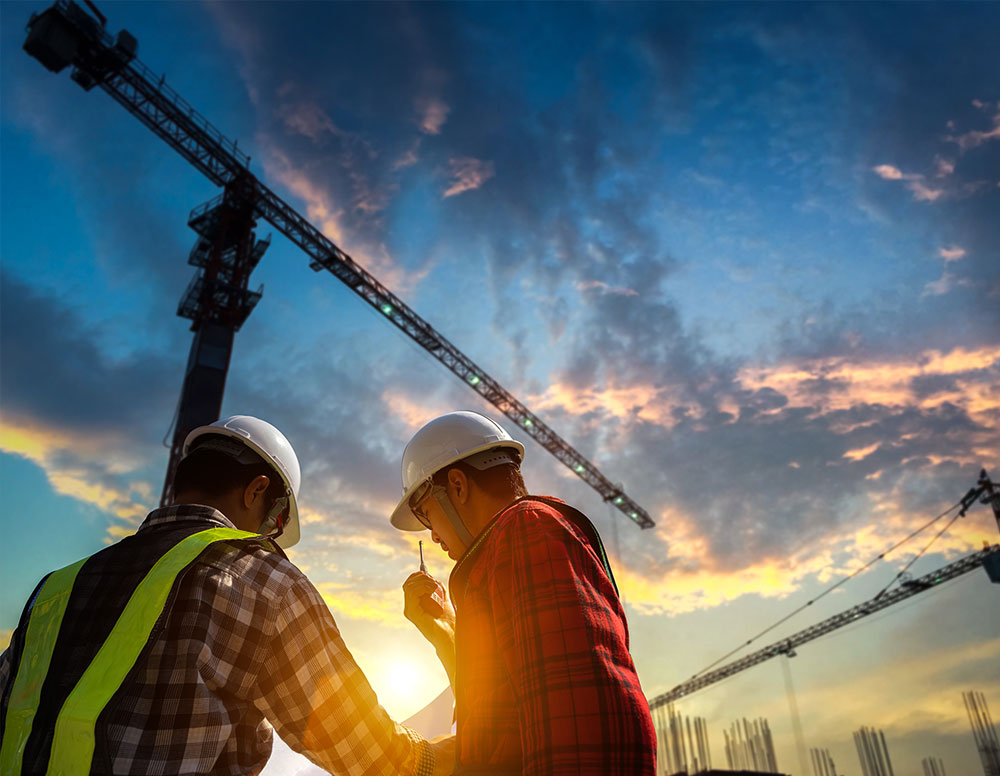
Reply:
x=428 y=608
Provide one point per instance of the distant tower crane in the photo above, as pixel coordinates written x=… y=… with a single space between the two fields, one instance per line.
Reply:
x=65 y=34
x=988 y=558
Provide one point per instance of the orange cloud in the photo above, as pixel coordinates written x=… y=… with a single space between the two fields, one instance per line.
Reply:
x=953 y=253
x=67 y=460
x=319 y=209
x=468 y=174
x=886 y=382
x=643 y=401
x=413 y=414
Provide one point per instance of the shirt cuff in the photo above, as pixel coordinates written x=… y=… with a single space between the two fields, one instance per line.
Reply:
x=425 y=759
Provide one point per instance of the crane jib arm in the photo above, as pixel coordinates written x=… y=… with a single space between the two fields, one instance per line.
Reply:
x=65 y=35
x=984 y=557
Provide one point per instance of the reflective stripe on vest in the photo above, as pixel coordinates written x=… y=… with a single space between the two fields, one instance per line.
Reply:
x=73 y=743
x=43 y=627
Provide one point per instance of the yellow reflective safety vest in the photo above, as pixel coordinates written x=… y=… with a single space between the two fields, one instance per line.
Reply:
x=83 y=630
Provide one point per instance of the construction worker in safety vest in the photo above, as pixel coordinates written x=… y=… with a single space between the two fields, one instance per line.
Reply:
x=175 y=650
x=534 y=637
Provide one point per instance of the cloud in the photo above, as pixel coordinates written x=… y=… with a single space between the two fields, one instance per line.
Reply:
x=914 y=182
x=433 y=112
x=332 y=220
x=107 y=470
x=943 y=285
x=954 y=253
x=310 y=120
x=467 y=174
x=599 y=285
x=408 y=158
x=320 y=210
x=945 y=167
x=975 y=138
x=840 y=383
x=889 y=173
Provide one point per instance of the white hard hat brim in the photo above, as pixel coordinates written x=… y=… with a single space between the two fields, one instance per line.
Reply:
x=402 y=516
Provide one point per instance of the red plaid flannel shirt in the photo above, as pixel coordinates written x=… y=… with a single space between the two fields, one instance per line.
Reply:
x=545 y=681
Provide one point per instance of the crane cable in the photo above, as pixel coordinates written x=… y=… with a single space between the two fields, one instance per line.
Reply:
x=967 y=500
x=964 y=503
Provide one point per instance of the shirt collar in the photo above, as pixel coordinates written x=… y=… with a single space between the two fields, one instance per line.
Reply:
x=185 y=513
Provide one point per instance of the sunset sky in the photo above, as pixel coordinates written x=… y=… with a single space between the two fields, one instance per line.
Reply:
x=746 y=258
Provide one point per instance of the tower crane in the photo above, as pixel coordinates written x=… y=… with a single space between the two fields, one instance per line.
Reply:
x=988 y=558
x=67 y=35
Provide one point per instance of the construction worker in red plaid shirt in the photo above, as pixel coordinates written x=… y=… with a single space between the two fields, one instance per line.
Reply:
x=534 y=638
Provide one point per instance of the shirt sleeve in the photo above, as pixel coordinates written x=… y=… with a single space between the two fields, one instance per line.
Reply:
x=321 y=703
x=563 y=640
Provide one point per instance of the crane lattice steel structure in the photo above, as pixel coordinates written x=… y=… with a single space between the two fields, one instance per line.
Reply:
x=988 y=557
x=66 y=35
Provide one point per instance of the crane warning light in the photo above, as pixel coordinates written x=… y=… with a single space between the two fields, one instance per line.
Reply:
x=474 y=380
x=620 y=500
x=579 y=468
x=387 y=309
x=528 y=423
x=635 y=515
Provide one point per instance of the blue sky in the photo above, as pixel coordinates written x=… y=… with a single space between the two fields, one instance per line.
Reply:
x=744 y=256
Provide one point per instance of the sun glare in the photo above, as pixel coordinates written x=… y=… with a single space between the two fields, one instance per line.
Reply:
x=404 y=687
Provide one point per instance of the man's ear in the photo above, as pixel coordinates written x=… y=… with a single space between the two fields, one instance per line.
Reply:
x=255 y=489
x=458 y=484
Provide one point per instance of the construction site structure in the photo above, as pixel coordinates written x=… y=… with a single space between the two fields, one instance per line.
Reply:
x=682 y=747
x=933 y=766
x=983 y=732
x=873 y=752
x=66 y=35
x=749 y=746
x=217 y=302
x=822 y=762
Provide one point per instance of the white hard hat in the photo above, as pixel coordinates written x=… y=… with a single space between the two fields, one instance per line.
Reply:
x=442 y=442
x=271 y=445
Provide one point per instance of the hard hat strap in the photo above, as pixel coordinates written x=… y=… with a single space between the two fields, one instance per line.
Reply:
x=273 y=520
x=444 y=500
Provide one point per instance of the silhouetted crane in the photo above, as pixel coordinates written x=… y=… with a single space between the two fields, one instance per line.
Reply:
x=988 y=557
x=218 y=301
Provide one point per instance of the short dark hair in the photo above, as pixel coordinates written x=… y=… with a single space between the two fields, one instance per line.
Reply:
x=213 y=473
x=502 y=480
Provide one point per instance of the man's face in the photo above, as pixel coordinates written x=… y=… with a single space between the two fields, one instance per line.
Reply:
x=429 y=513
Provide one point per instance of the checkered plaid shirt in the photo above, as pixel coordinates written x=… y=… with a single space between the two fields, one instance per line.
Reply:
x=248 y=639
x=545 y=682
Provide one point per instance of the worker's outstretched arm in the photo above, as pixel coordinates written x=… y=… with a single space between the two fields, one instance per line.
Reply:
x=435 y=619
x=561 y=632
x=322 y=705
